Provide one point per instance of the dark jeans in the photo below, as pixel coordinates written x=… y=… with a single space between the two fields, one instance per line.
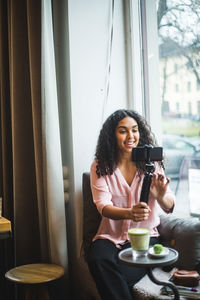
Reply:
x=114 y=279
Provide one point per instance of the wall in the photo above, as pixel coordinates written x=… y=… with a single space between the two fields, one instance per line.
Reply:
x=88 y=46
x=82 y=47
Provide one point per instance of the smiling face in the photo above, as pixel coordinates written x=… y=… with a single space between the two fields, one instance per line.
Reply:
x=127 y=135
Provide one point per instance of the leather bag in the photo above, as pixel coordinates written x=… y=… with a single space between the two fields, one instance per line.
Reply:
x=186 y=278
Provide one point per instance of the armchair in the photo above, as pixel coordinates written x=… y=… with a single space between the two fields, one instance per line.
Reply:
x=181 y=234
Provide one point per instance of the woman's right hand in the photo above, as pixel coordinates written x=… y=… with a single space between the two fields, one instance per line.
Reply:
x=140 y=212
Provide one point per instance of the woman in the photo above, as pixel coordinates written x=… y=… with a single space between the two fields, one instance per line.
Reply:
x=116 y=183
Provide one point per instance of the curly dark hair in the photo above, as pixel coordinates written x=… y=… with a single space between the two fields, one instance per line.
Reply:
x=106 y=150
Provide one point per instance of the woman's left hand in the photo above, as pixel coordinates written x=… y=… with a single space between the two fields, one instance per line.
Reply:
x=159 y=186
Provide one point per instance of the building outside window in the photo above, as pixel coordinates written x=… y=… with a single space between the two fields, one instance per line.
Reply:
x=189 y=86
x=189 y=108
x=198 y=108
x=175 y=68
x=177 y=106
x=198 y=85
x=176 y=87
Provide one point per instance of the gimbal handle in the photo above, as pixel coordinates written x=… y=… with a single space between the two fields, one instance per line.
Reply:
x=150 y=168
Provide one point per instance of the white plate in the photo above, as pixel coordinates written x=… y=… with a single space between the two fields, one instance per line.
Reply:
x=164 y=252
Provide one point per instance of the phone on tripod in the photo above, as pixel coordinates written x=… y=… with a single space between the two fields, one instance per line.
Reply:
x=148 y=154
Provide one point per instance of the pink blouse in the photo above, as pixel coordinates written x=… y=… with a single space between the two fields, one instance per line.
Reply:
x=114 y=190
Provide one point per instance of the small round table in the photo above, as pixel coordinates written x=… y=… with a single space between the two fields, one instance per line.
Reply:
x=149 y=262
x=34 y=277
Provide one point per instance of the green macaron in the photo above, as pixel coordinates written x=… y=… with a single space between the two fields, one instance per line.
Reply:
x=158 y=248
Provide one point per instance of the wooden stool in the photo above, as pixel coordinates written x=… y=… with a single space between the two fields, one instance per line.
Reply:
x=34 y=277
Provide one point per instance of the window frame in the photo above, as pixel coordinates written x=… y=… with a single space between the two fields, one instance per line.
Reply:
x=134 y=53
x=144 y=42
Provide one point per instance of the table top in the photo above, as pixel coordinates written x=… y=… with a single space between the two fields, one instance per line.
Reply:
x=35 y=273
x=5 y=228
x=127 y=257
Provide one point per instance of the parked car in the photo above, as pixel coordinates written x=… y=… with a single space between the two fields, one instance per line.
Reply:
x=175 y=149
x=189 y=162
x=195 y=141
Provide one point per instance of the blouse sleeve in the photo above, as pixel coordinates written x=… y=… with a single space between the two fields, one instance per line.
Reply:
x=100 y=191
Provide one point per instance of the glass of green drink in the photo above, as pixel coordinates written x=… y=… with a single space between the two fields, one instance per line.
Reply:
x=139 y=239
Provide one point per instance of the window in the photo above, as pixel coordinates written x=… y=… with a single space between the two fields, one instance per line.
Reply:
x=189 y=108
x=179 y=41
x=198 y=109
x=198 y=85
x=177 y=87
x=175 y=47
x=189 y=86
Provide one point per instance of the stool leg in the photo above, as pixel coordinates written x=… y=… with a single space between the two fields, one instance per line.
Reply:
x=36 y=292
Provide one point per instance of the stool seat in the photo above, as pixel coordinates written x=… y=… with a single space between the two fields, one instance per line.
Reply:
x=35 y=273
x=34 y=277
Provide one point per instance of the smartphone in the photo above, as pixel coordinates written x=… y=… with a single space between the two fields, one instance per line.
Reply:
x=147 y=153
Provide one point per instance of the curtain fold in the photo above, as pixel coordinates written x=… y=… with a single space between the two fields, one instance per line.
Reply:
x=26 y=219
x=51 y=142
x=6 y=167
x=31 y=181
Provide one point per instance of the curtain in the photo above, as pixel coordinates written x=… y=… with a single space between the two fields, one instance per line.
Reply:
x=31 y=163
x=51 y=140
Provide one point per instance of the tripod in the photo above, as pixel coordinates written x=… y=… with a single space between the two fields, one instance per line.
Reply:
x=150 y=168
x=147 y=154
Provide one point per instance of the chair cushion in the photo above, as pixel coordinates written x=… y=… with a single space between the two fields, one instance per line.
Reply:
x=183 y=235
